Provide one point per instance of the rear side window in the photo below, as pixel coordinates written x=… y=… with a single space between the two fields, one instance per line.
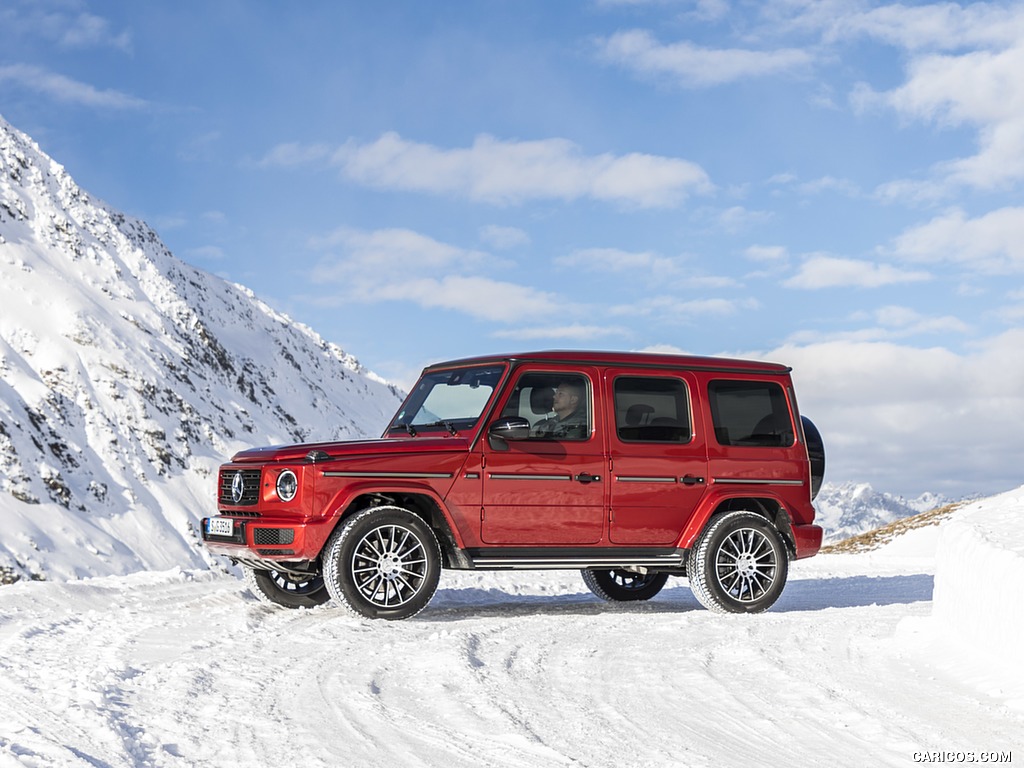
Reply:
x=750 y=413
x=651 y=409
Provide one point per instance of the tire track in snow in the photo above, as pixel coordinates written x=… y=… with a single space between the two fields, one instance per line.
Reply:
x=179 y=669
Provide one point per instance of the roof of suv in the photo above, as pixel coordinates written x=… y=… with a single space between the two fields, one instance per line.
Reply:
x=641 y=359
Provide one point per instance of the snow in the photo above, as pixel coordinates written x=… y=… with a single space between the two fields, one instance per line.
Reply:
x=978 y=619
x=184 y=668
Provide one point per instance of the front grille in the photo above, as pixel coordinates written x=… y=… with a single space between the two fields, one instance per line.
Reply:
x=239 y=487
x=277 y=552
x=263 y=536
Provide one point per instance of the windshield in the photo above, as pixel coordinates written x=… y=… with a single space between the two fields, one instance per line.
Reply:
x=447 y=400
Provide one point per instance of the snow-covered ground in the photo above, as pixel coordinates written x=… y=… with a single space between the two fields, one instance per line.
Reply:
x=851 y=667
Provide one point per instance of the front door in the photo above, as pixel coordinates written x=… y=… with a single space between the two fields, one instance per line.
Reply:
x=549 y=489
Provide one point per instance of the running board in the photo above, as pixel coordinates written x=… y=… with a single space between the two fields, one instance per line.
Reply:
x=485 y=560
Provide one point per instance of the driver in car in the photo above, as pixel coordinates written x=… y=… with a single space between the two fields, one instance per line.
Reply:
x=570 y=419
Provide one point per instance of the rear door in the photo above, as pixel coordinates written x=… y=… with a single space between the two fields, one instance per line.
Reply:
x=753 y=436
x=657 y=455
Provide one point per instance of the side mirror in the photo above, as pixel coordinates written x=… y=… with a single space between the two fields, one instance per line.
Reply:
x=510 y=428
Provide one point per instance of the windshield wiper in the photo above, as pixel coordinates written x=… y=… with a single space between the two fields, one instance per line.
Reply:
x=446 y=424
x=407 y=427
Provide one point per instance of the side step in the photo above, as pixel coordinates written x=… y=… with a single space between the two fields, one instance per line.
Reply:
x=562 y=559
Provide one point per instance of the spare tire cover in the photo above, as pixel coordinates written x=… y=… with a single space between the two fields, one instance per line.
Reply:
x=815 y=453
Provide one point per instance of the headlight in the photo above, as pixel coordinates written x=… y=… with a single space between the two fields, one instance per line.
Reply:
x=287 y=485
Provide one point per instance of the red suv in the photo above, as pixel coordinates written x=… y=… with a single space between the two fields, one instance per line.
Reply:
x=630 y=467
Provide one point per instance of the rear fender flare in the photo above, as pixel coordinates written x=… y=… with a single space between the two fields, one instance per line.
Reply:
x=766 y=504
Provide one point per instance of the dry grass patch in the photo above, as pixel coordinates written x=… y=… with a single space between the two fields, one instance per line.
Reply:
x=869 y=540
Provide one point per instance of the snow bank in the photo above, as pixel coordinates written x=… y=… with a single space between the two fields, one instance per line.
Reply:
x=979 y=590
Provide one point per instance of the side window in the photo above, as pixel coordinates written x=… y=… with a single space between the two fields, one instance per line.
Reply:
x=556 y=405
x=750 y=413
x=652 y=410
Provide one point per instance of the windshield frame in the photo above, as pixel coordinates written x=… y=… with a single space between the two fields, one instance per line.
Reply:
x=411 y=419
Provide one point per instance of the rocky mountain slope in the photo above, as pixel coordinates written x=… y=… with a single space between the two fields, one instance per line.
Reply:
x=850 y=509
x=127 y=376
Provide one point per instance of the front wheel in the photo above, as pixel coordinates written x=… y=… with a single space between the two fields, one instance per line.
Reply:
x=739 y=564
x=382 y=563
x=278 y=588
x=619 y=585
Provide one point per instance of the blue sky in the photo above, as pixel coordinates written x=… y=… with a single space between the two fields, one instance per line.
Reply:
x=832 y=185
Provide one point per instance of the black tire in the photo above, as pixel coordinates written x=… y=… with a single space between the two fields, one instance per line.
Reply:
x=277 y=588
x=739 y=564
x=382 y=563
x=617 y=585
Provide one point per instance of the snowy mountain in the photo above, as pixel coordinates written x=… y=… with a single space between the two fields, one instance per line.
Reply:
x=847 y=509
x=127 y=376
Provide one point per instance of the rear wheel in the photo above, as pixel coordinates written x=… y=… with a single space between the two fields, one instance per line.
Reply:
x=382 y=563
x=739 y=564
x=619 y=585
x=277 y=588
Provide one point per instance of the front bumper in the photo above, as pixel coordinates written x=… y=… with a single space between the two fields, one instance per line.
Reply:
x=265 y=538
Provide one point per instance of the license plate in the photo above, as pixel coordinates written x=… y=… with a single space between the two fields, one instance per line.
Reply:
x=220 y=526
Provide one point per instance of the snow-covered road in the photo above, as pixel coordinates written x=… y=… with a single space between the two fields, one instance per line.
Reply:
x=185 y=669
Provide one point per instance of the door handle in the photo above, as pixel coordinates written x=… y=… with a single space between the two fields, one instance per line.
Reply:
x=586 y=477
x=691 y=480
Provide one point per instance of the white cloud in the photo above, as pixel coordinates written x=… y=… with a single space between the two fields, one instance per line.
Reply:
x=387 y=253
x=830 y=184
x=66 y=90
x=983 y=89
x=963 y=69
x=87 y=30
x=68 y=30
x=504 y=172
x=737 y=218
x=890 y=323
x=480 y=297
x=909 y=321
x=292 y=154
x=576 y=332
x=1012 y=315
x=692 y=66
x=509 y=172
x=665 y=349
x=992 y=243
x=832 y=272
x=767 y=253
x=504 y=238
x=941 y=26
x=672 y=308
x=899 y=417
x=618 y=260
x=401 y=265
